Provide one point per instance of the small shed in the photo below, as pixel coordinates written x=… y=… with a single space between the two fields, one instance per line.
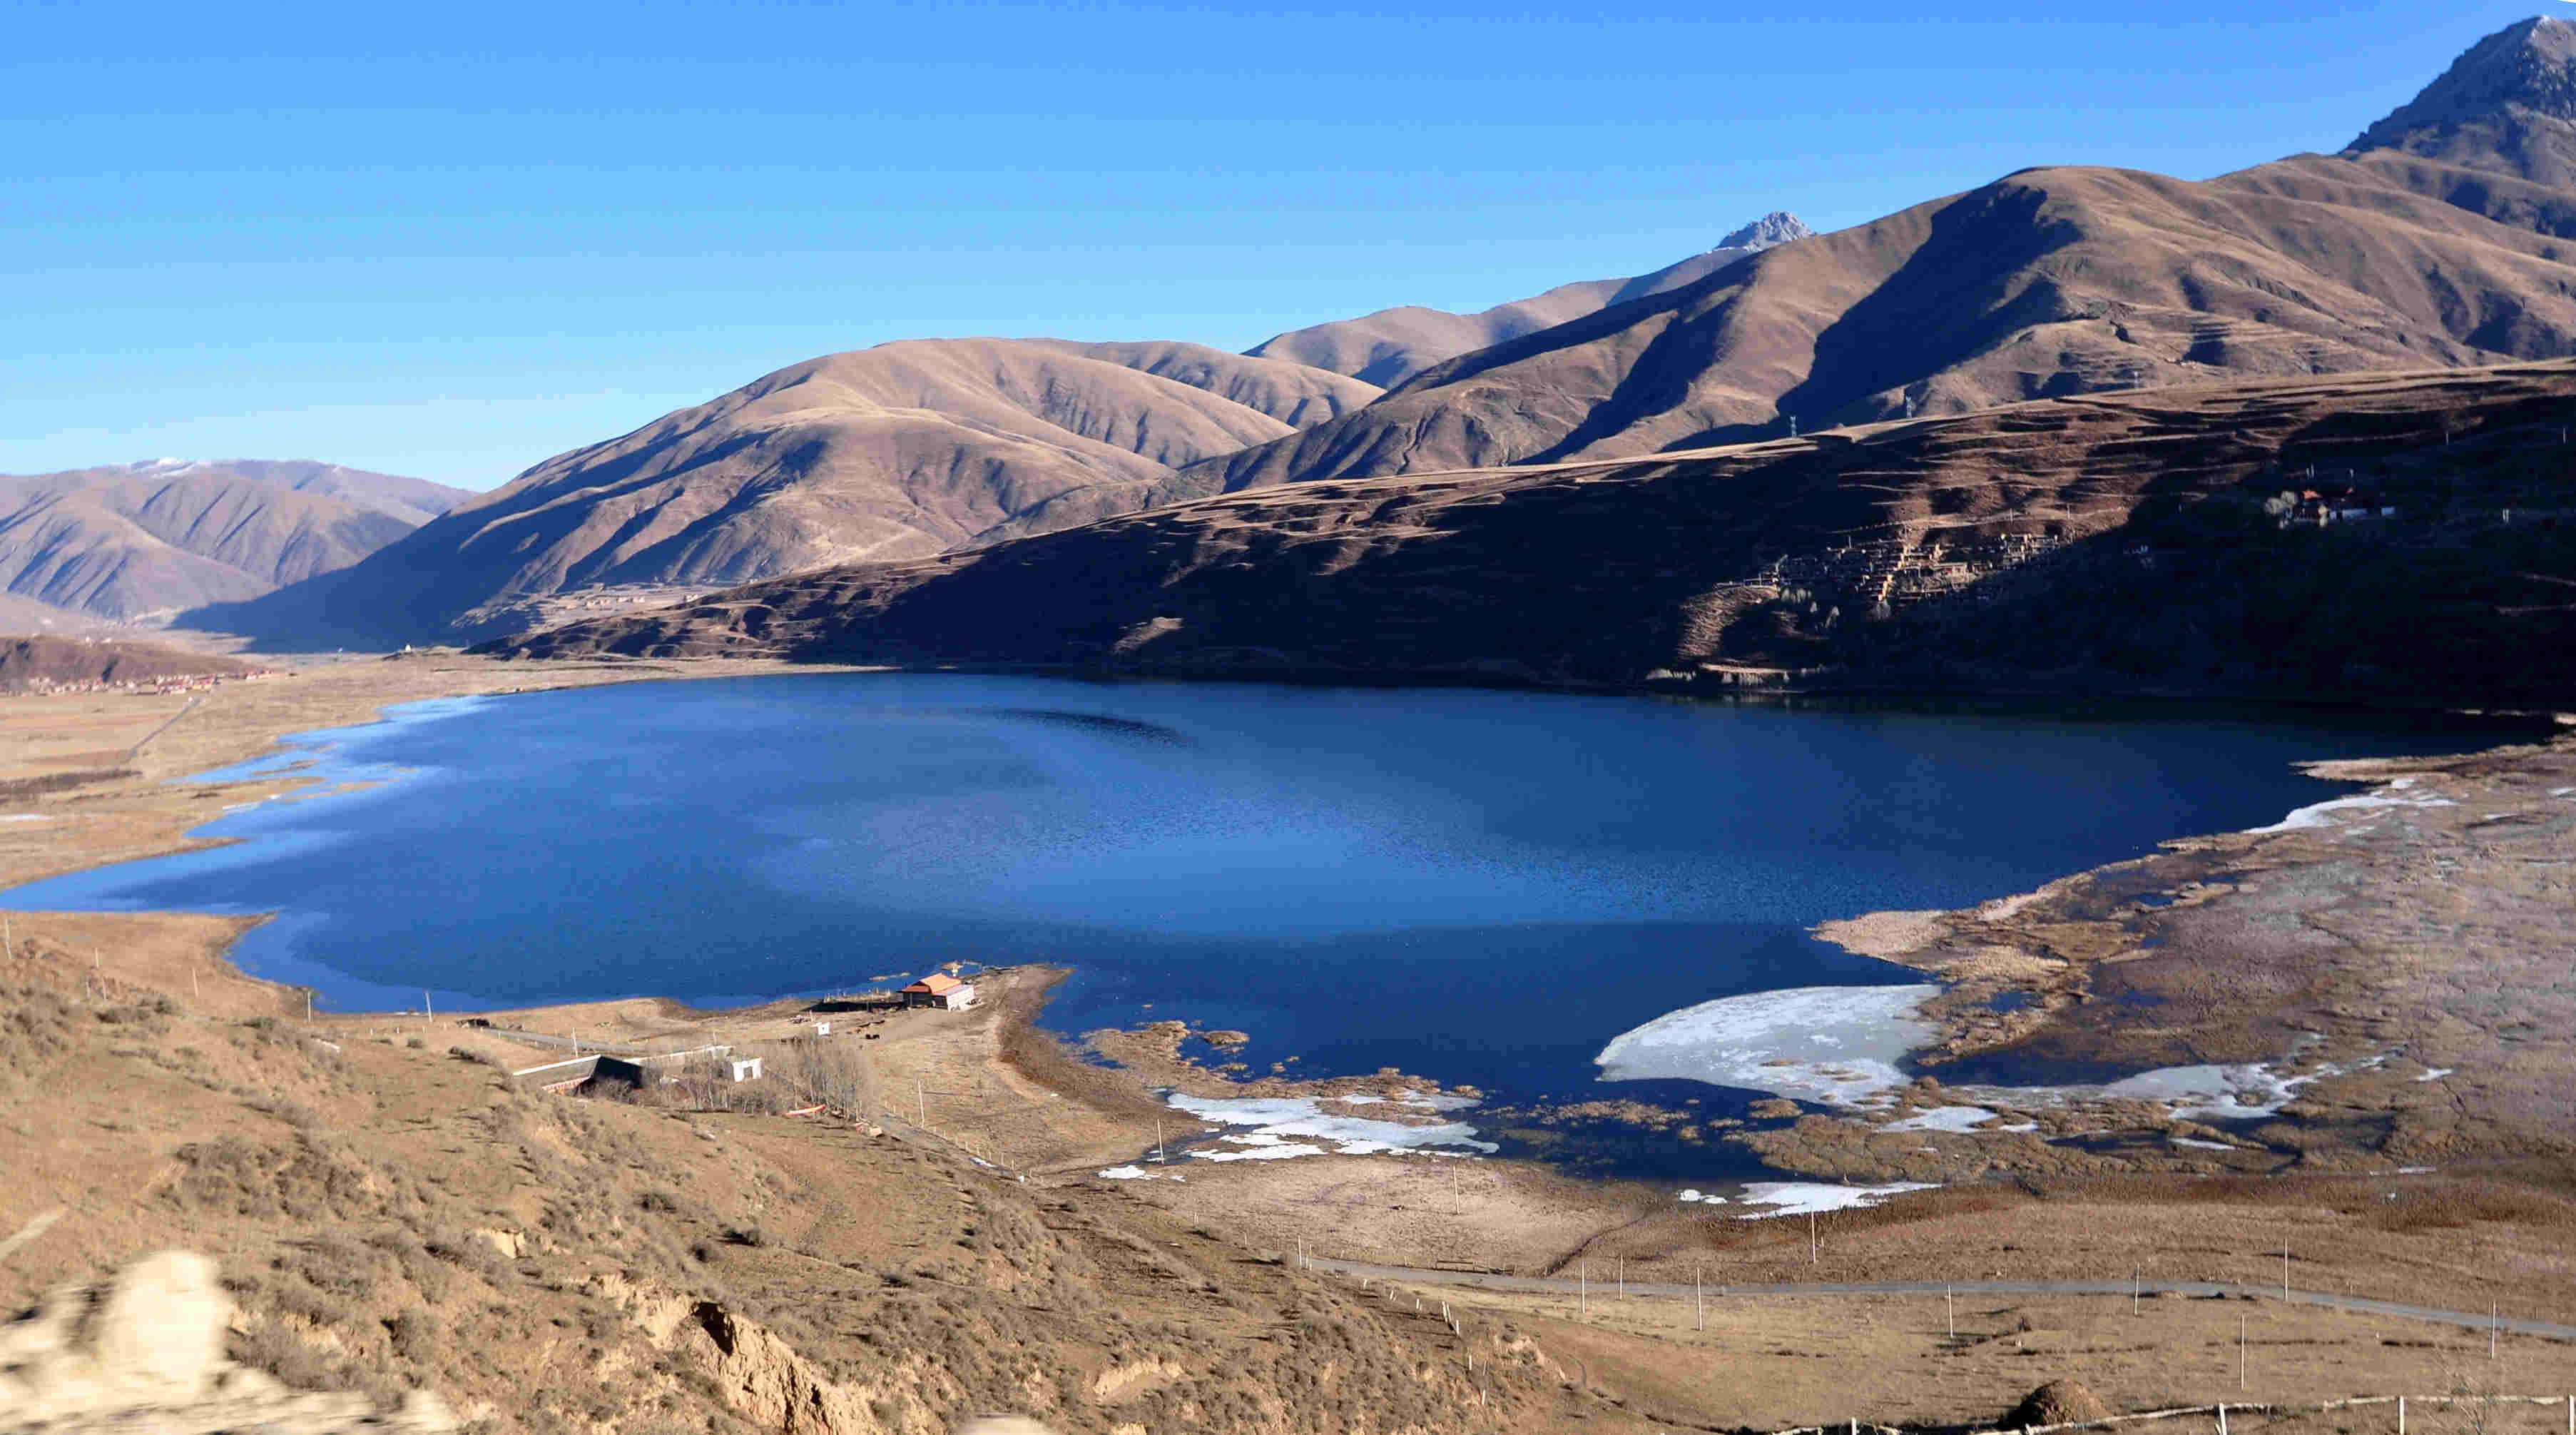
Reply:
x=942 y=991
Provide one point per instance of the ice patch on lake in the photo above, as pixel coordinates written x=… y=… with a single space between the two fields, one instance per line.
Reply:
x=2320 y=814
x=2436 y=1073
x=1839 y=1046
x=1261 y=1146
x=2199 y=1145
x=1944 y=1118
x=1798 y=1198
x=1277 y=1118
x=1834 y=1045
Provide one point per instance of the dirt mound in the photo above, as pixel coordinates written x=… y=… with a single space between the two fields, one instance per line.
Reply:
x=2059 y=1402
x=47 y=661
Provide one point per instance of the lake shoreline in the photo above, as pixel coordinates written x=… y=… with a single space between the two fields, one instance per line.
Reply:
x=1824 y=1145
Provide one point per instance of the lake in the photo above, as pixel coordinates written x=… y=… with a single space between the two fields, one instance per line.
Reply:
x=1474 y=886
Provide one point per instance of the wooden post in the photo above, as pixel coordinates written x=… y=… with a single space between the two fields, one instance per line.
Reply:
x=2401 y=1415
x=1623 y=1277
x=1158 y=1142
x=2494 y=1318
x=2285 y=1269
x=1950 y=1298
x=2137 y=1287
x=1583 y=1289
x=2240 y=1353
x=920 y=1105
x=1811 y=1238
x=1699 y=1304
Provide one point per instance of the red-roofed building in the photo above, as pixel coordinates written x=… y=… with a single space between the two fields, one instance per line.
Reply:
x=940 y=991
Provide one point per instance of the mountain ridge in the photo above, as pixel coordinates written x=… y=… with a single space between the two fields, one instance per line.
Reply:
x=1391 y=346
x=898 y=451
x=2120 y=542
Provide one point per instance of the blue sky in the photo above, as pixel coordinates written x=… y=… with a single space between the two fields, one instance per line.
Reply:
x=453 y=240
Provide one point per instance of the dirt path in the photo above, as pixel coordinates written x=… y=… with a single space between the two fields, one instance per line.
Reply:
x=2204 y=1290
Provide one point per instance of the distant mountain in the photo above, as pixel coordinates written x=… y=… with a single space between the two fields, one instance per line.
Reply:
x=1388 y=347
x=899 y=451
x=413 y=500
x=141 y=540
x=2137 y=542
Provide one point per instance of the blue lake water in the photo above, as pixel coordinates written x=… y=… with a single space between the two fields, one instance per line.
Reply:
x=1472 y=886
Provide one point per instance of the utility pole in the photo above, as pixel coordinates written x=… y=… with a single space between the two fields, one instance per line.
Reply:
x=429 y=1014
x=1950 y=1298
x=920 y=1105
x=1811 y=1238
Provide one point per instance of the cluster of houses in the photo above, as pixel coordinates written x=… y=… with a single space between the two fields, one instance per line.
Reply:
x=199 y=683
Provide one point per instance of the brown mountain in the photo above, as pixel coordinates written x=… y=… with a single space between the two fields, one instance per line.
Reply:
x=899 y=451
x=2437 y=240
x=2151 y=541
x=1392 y=345
x=133 y=541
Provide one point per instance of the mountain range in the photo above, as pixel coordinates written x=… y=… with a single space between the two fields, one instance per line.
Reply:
x=135 y=540
x=2441 y=237
x=2152 y=542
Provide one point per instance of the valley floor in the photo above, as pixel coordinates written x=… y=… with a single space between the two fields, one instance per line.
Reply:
x=389 y=1211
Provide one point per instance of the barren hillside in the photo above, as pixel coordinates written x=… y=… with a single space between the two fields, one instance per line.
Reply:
x=899 y=451
x=2154 y=541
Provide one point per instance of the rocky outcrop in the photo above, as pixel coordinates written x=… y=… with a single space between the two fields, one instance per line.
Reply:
x=144 y=1352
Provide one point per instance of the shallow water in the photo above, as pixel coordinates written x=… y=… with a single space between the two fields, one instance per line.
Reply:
x=1473 y=886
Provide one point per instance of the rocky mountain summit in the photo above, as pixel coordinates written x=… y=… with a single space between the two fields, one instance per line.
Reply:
x=1770 y=231
x=2508 y=105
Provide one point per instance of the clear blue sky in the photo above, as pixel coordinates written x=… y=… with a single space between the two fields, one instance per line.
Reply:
x=451 y=240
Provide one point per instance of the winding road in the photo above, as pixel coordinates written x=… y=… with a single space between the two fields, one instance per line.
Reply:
x=1560 y=1285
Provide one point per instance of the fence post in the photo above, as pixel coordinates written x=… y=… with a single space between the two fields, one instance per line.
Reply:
x=2222 y=1418
x=2401 y=1415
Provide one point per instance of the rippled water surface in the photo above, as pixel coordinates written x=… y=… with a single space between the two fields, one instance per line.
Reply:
x=1473 y=886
